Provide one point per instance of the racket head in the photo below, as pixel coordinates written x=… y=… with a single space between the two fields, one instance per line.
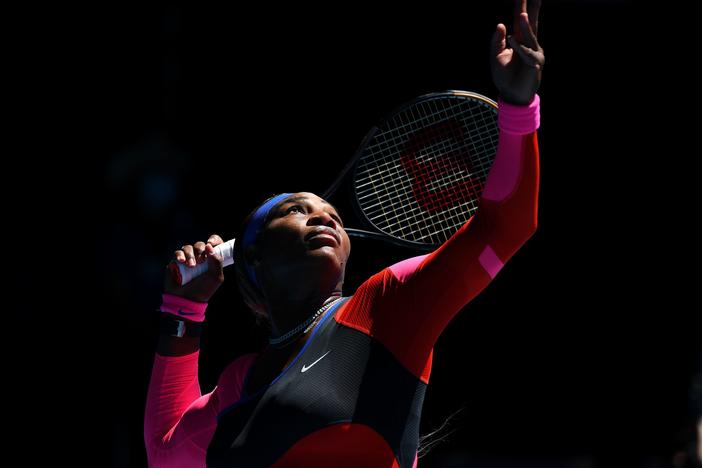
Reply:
x=418 y=175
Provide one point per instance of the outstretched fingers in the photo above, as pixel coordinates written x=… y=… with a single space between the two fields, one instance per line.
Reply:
x=533 y=11
x=529 y=56
x=519 y=8
x=528 y=36
x=499 y=42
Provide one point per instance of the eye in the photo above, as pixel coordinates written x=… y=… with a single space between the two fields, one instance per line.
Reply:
x=296 y=208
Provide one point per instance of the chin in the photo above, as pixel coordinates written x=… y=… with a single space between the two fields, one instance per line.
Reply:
x=326 y=258
x=326 y=252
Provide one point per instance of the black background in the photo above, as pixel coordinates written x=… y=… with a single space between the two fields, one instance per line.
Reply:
x=142 y=128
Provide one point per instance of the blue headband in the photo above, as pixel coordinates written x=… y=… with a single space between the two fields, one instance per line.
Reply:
x=251 y=231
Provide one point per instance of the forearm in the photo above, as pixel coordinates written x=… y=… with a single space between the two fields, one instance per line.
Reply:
x=173 y=386
x=169 y=346
x=174 y=381
x=509 y=203
x=511 y=217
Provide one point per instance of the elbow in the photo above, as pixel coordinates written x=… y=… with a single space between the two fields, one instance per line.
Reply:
x=525 y=229
x=529 y=232
x=154 y=442
x=156 y=452
x=531 y=224
x=151 y=443
x=525 y=233
x=151 y=437
x=532 y=228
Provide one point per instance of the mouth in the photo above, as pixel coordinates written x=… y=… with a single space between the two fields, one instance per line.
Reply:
x=324 y=233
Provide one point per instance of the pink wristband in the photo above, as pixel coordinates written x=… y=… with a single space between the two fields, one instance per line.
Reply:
x=520 y=120
x=184 y=308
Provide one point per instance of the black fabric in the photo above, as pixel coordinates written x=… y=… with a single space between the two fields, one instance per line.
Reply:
x=168 y=325
x=358 y=380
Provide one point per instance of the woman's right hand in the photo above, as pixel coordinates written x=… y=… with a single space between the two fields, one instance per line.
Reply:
x=203 y=287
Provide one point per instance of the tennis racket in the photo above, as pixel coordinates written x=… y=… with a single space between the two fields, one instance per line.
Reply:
x=418 y=175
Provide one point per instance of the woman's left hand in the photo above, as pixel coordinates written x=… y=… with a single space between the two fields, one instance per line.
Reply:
x=516 y=71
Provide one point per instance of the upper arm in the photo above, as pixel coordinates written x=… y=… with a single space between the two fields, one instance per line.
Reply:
x=422 y=294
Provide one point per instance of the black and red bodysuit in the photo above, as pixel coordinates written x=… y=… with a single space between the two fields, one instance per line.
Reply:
x=353 y=395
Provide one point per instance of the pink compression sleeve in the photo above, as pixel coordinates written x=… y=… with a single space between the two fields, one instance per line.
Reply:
x=179 y=423
x=174 y=389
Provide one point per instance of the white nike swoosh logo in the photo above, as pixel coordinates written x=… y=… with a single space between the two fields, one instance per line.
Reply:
x=306 y=368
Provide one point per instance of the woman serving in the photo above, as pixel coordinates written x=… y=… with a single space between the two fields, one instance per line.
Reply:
x=342 y=380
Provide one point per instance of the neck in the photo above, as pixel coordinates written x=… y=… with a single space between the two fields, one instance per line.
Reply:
x=286 y=315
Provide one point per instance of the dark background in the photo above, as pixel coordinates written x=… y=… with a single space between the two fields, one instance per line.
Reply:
x=147 y=127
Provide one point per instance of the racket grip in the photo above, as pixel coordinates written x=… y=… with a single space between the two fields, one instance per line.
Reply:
x=183 y=274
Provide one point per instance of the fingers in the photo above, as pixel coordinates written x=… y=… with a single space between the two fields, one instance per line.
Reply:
x=215 y=261
x=530 y=57
x=215 y=240
x=193 y=254
x=519 y=8
x=203 y=286
x=499 y=42
x=531 y=8
x=187 y=254
x=528 y=37
x=533 y=11
x=179 y=255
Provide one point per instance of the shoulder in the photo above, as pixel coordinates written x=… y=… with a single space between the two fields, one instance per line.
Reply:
x=386 y=280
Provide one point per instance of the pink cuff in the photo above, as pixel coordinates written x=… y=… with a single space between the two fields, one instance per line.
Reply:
x=184 y=308
x=520 y=120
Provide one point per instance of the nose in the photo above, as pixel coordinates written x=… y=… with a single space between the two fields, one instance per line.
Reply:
x=324 y=219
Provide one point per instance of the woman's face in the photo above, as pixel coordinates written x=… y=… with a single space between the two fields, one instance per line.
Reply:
x=304 y=236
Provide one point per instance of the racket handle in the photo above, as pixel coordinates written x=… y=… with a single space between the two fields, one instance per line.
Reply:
x=183 y=274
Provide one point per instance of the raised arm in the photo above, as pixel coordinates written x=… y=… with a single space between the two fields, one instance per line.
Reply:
x=412 y=302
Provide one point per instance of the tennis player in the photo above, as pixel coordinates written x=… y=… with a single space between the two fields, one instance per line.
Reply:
x=342 y=380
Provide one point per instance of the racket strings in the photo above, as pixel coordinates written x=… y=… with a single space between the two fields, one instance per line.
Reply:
x=430 y=203
x=391 y=166
x=394 y=140
x=420 y=176
x=400 y=139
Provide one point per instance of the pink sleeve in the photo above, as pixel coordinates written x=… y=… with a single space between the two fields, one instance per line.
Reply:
x=174 y=389
x=419 y=296
x=179 y=422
